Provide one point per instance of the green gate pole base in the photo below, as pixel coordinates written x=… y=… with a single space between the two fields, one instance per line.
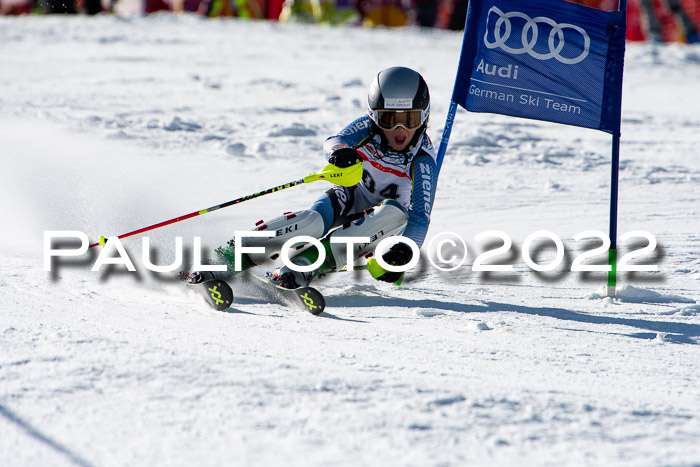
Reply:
x=612 y=261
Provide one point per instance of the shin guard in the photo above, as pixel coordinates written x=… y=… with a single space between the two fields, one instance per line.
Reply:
x=387 y=219
x=285 y=227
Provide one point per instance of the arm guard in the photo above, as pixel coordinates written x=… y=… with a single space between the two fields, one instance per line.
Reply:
x=424 y=175
x=351 y=136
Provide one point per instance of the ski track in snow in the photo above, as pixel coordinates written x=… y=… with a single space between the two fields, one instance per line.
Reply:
x=110 y=124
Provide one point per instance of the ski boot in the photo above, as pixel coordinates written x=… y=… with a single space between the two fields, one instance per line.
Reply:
x=224 y=255
x=290 y=279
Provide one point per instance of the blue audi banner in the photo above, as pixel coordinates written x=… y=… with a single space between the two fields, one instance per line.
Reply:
x=546 y=60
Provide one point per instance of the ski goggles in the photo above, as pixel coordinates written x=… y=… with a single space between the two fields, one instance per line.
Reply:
x=391 y=119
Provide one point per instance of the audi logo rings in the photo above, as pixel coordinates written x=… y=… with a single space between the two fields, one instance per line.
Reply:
x=502 y=30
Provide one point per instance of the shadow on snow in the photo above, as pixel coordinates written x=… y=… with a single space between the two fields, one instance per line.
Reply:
x=42 y=438
x=680 y=333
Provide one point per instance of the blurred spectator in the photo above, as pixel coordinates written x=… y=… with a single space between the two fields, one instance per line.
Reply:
x=16 y=7
x=392 y=13
x=274 y=9
x=255 y=9
x=318 y=11
x=426 y=12
x=635 y=30
x=57 y=7
x=250 y=8
x=458 y=18
x=654 y=26
x=90 y=7
x=302 y=11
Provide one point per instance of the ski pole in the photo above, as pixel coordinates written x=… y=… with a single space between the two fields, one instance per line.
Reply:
x=347 y=176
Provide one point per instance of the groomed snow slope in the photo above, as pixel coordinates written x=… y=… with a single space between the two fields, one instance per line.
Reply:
x=109 y=124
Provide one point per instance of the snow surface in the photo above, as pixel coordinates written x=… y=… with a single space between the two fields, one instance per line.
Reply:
x=110 y=124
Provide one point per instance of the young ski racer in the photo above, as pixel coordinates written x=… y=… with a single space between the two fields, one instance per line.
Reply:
x=395 y=194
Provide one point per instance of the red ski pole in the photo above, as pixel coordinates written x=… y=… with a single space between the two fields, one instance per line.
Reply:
x=348 y=176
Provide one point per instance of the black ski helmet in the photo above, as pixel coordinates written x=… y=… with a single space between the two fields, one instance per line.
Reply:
x=398 y=89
